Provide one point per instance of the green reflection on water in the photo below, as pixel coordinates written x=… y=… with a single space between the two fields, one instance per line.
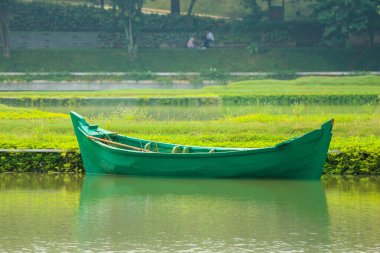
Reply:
x=72 y=213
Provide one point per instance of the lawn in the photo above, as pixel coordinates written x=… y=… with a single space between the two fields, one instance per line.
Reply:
x=32 y=128
x=354 y=148
x=184 y=60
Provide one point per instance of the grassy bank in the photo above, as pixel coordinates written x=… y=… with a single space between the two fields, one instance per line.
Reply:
x=355 y=145
x=356 y=141
x=354 y=85
x=306 y=90
x=184 y=60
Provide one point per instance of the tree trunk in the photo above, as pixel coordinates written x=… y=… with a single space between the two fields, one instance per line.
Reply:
x=102 y=4
x=4 y=32
x=175 y=7
x=269 y=5
x=189 y=12
x=191 y=6
x=269 y=2
x=371 y=37
x=131 y=47
x=139 y=6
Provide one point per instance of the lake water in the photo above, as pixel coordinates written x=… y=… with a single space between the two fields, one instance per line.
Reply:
x=77 y=213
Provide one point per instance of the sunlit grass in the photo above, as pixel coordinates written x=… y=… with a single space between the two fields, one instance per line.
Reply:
x=11 y=113
x=232 y=127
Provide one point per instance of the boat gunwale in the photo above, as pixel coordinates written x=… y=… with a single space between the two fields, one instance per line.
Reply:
x=238 y=152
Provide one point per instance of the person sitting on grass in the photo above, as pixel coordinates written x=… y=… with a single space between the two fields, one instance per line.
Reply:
x=209 y=38
x=190 y=43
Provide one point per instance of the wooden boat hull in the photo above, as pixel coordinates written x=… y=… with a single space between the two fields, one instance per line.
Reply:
x=298 y=158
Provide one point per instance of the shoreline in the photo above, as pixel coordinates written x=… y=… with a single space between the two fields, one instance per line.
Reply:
x=70 y=161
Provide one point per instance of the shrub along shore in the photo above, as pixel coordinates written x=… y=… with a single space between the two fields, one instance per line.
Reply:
x=349 y=162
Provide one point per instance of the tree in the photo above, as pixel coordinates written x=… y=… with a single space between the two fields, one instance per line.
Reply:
x=256 y=13
x=4 y=27
x=343 y=17
x=101 y=3
x=373 y=13
x=175 y=7
x=126 y=10
x=191 y=6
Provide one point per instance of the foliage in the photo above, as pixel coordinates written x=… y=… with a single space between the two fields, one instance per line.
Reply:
x=343 y=17
x=351 y=161
x=167 y=83
x=303 y=99
x=301 y=32
x=196 y=82
x=134 y=75
x=256 y=14
x=53 y=17
x=126 y=11
x=6 y=3
x=354 y=160
x=64 y=162
x=254 y=48
x=42 y=16
x=37 y=16
x=146 y=40
x=216 y=74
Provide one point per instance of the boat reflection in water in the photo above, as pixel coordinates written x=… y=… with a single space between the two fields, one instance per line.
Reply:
x=155 y=214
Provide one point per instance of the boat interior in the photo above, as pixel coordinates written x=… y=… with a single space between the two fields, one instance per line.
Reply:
x=129 y=143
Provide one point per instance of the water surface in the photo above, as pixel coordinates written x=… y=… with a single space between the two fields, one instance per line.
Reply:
x=62 y=213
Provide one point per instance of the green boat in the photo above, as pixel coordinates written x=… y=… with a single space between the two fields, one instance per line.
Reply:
x=105 y=152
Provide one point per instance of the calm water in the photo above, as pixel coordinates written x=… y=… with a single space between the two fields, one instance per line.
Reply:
x=61 y=213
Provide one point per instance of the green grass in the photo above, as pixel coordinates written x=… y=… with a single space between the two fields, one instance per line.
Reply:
x=183 y=60
x=39 y=129
x=356 y=131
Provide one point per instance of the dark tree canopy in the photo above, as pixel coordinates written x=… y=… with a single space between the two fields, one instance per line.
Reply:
x=343 y=17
